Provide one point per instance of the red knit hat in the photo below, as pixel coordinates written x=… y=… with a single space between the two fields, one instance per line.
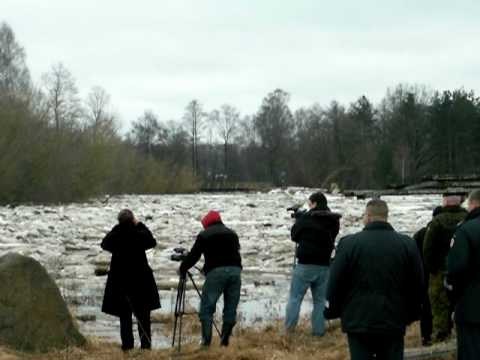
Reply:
x=210 y=218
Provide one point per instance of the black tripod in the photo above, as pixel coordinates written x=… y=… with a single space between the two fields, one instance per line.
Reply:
x=180 y=308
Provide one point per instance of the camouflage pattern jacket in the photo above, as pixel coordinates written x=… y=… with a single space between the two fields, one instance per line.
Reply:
x=438 y=237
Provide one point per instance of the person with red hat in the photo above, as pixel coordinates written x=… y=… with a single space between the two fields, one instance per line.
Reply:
x=220 y=248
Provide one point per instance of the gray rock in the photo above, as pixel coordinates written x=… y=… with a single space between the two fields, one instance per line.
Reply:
x=33 y=314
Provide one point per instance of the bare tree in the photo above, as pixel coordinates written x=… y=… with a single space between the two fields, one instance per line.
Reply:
x=62 y=97
x=145 y=132
x=177 y=143
x=247 y=134
x=194 y=117
x=99 y=119
x=226 y=122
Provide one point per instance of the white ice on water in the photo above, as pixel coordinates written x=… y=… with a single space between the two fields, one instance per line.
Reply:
x=66 y=239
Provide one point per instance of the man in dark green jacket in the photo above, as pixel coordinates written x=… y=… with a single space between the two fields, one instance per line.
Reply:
x=435 y=250
x=426 y=326
x=375 y=287
x=463 y=267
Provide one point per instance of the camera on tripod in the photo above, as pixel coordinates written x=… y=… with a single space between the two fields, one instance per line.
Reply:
x=297 y=211
x=179 y=254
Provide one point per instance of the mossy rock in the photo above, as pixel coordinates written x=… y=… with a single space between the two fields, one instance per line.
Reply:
x=33 y=314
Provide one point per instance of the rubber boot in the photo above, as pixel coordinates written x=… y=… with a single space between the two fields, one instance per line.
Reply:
x=206 y=333
x=226 y=332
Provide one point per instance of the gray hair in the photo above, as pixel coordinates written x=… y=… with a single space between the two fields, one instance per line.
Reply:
x=474 y=196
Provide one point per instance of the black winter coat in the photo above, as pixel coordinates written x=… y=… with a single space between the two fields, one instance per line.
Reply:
x=130 y=283
x=315 y=233
x=219 y=246
x=376 y=281
x=463 y=266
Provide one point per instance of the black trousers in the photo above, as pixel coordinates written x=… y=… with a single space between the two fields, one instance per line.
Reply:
x=426 y=319
x=364 y=346
x=143 y=325
x=468 y=341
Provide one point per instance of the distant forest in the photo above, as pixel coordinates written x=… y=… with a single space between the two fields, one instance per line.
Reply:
x=58 y=147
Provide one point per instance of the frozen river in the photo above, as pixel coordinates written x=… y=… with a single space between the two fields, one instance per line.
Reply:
x=66 y=240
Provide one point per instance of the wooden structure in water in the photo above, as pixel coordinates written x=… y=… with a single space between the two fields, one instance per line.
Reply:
x=436 y=184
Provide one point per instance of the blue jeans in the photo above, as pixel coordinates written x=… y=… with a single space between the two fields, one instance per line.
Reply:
x=224 y=280
x=308 y=276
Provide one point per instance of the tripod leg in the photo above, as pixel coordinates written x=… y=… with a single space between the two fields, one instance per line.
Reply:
x=182 y=305
x=200 y=295
x=216 y=328
x=178 y=308
x=176 y=317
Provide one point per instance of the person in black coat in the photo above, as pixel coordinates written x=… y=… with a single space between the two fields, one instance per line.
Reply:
x=130 y=287
x=463 y=273
x=375 y=287
x=220 y=248
x=314 y=232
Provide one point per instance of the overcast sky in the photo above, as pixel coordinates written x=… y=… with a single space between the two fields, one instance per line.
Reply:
x=161 y=54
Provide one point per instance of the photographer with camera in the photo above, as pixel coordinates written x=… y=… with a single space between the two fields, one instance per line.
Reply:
x=221 y=250
x=131 y=287
x=314 y=232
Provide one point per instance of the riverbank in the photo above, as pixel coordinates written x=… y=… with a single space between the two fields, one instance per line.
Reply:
x=268 y=343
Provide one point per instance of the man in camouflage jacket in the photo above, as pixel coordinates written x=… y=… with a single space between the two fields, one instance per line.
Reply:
x=435 y=250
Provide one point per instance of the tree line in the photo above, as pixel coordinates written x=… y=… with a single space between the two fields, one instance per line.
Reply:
x=57 y=147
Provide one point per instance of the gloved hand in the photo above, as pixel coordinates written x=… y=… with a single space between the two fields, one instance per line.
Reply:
x=446 y=285
x=330 y=313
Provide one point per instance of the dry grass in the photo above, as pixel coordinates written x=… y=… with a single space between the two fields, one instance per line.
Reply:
x=247 y=344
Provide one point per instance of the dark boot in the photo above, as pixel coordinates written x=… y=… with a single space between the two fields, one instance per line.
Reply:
x=206 y=333
x=426 y=341
x=226 y=332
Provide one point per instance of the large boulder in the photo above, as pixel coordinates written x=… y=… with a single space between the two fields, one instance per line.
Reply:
x=33 y=315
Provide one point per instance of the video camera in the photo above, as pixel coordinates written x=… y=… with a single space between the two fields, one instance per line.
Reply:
x=179 y=254
x=297 y=211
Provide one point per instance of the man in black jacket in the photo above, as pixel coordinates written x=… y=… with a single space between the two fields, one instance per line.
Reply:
x=221 y=250
x=375 y=287
x=463 y=266
x=131 y=287
x=314 y=232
